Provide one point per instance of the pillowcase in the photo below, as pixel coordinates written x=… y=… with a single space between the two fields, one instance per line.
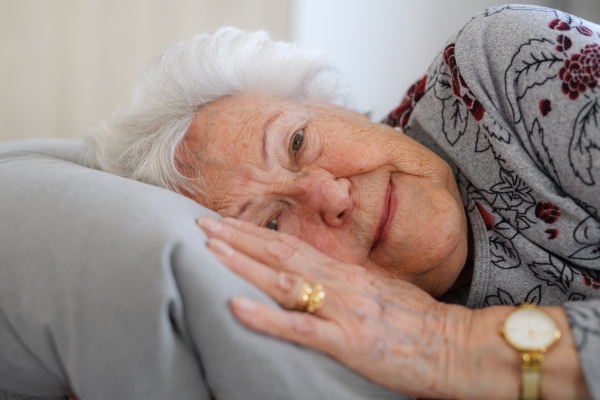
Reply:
x=108 y=290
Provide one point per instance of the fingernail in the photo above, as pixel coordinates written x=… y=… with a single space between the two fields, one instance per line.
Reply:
x=208 y=223
x=220 y=247
x=232 y=221
x=243 y=303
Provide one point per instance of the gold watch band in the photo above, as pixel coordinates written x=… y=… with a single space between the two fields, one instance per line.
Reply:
x=532 y=332
x=530 y=375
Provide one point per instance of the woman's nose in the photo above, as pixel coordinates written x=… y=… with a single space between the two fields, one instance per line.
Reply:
x=329 y=197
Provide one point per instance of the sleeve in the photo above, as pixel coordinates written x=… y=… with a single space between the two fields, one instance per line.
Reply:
x=584 y=318
x=532 y=78
x=517 y=92
x=543 y=95
x=512 y=104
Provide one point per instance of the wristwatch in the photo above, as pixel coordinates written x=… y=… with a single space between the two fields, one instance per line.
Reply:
x=531 y=331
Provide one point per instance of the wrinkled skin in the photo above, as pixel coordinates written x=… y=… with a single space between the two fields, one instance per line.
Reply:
x=386 y=329
x=379 y=316
x=332 y=191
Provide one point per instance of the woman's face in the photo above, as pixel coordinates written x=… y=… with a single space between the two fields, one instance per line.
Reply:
x=358 y=191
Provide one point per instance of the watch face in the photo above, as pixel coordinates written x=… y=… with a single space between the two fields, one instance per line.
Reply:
x=530 y=329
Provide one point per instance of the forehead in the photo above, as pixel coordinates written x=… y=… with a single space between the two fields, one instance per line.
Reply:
x=229 y=137
x=237 y=119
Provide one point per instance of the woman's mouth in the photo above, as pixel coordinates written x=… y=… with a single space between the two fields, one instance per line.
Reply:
x=387 y=214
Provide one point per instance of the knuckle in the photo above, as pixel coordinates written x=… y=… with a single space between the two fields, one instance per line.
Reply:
x=380 y=347
x=366 y=310
x=357 y=277
x=304 y=325
x=354 y=278
x=285 y=282
x=293 y=241
x=280 y=251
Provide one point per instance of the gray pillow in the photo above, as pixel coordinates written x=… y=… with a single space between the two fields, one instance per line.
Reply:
x=107 y=289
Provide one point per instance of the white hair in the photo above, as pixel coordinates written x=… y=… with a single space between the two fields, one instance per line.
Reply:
x=141 y=139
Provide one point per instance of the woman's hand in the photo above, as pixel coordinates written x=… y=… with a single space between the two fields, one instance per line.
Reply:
x=388 y=330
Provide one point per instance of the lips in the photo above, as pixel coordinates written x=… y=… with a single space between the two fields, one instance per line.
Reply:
x=387 y=214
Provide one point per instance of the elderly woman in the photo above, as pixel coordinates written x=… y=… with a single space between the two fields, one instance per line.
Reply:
x=411 y=243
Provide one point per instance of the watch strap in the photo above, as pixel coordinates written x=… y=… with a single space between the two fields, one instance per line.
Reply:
x=530 y=381
x=530 y=375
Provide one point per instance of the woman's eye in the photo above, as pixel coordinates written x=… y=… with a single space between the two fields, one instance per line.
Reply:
x=272 y=224
x=297 y=140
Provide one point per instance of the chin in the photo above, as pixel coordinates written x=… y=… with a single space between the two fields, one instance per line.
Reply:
x=449 y=257
x=436 y=256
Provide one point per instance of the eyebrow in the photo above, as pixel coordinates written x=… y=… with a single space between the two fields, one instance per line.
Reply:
x=266 y=128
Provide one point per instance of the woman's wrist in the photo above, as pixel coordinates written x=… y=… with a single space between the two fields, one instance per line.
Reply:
x=491 y=368
x=473 y=353
x=460 y=362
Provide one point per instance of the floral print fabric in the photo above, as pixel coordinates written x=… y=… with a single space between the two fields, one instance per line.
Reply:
x=513 y=104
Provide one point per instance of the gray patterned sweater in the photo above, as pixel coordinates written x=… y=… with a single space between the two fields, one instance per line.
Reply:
x=512 y=103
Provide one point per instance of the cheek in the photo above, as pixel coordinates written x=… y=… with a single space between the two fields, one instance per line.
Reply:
x=439 y=228
x=442 y=228
x=412 y=158
x=334 y=243
x=428 y=228
x=358 y=154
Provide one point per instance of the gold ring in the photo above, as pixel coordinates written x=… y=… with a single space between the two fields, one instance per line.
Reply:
x=310 y=297
x=303 y=296
x=316 y=299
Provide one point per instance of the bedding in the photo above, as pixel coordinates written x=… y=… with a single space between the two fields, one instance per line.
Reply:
x=107 y=290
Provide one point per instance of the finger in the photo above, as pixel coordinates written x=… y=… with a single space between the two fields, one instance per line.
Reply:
x=265 y=233
x=339 y=298
x=300 y=259
x=283 y=287
x=274 y=253
x=253 y=230
x=294 y=242
x=207 y=223
x=301 y=328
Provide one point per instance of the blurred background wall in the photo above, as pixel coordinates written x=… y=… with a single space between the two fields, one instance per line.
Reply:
x=65 y=64
x=384 y=46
